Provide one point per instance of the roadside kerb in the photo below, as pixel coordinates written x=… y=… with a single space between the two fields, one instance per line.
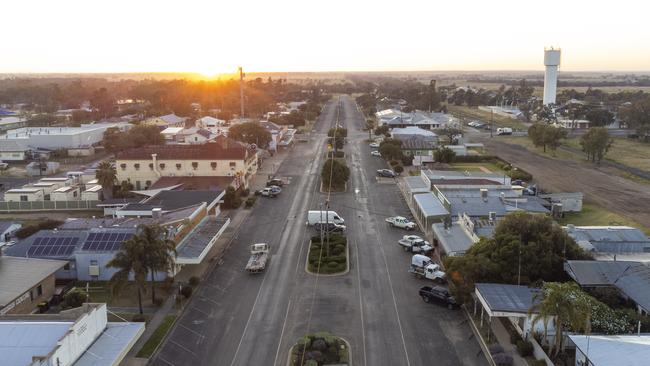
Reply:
x=347 y=263
x=477 y=334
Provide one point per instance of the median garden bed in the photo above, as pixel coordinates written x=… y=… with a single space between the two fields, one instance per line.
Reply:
x=328 y=258
x=320 y=349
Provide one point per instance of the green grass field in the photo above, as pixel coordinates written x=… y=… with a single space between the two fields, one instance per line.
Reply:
x=593 y=215
x=152 y=343
x=625 y=151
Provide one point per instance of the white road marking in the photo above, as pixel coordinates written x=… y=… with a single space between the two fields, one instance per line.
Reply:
x=182 y=347
x=284 y=324
x=363 y=328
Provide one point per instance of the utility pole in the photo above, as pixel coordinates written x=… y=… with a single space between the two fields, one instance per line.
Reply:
x=241 y=91
x=491 y=121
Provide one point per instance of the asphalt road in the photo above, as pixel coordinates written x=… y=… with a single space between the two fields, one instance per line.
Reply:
x=241 y=319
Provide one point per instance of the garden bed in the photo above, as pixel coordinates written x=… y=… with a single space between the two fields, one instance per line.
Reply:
x=334 y=263
x=320 y=349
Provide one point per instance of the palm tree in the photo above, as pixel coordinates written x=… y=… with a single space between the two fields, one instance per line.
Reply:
x=160 y=252
x=106 y=176
x=566 y=304
x=129 y=260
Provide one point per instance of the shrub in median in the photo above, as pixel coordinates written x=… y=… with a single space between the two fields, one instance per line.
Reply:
x=319 y=349
x=333 y=259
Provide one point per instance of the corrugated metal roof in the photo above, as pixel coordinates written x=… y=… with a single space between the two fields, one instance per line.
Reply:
x=24 y=340
x=18 y=275
x=619 y=350
x=507 y=298
x=430 y=205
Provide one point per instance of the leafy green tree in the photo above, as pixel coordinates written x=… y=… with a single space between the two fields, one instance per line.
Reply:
x=160 y=252
x=565 y=304
x=595 y=143
x=444 y=155
x=637 y=115
x=391 y=149
x=335 y=173
x=399 y=169
x=106 y=176
x=74 y=298
x=382 y=130
x=130 y=261
x=599 y=117
x=546 y=114
x=543 y=135
x=525 y=248
x=450 y=133
x=251 y=133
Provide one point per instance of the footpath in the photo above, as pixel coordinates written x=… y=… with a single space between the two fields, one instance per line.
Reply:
x=237 y=217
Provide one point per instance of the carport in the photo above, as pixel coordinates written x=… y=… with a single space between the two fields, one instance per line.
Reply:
x=428 y=210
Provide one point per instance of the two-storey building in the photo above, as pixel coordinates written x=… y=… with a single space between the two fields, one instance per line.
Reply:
x=224 y=157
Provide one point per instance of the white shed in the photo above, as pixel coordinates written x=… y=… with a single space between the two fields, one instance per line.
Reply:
x=58 y=181
x=24 y=195
x=68 y=193
x=93 y=193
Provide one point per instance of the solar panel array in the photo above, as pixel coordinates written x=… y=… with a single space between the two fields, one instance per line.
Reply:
x=105 y=241
x=53 y=247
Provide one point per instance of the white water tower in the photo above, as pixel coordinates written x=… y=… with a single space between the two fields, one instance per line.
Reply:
x=552 y=62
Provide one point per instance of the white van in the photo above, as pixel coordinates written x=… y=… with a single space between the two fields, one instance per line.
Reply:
x=504 y=131
x=315 y=217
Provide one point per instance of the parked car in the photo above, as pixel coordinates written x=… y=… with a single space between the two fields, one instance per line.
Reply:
x=375 y=153
x=374 y=145
x=275 y=182
x=387 y=173
x=438 y=294
x=401 y=222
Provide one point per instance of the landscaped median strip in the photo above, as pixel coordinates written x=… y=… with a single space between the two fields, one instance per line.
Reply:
x=157 y=337
x=324 y=268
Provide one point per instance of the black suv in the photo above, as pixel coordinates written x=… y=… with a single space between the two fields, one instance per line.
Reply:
x=275 y=182
x=438 y=294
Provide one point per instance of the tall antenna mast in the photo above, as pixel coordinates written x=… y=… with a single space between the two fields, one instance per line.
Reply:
x=241 y=90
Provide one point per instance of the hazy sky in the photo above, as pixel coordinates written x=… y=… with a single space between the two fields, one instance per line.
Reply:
x=214 y=36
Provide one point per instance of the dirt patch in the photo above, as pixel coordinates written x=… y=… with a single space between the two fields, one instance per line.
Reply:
x=601 y=185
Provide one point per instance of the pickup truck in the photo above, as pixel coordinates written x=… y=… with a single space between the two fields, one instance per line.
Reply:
x=414 y=244
x=438 y=294
x=259 y=256
x=423 y=267
x=401 y=222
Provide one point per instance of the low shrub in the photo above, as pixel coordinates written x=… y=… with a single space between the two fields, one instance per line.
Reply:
x=74 y=299
x=474 y=159
x=393 y=163
x=236 y=202
x=398 y=169
x=537 y=363
x=250 y=201
x=28 y=230
x=245 y=192
x=186 y=291
x=194 y=281
x=525 y=348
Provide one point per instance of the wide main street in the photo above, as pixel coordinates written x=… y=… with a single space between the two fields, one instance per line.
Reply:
x=240 y=319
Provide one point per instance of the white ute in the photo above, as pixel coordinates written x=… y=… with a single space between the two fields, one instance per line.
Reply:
x=401 y=222
x=423 y=267
x=259 y=257
x=415 y=244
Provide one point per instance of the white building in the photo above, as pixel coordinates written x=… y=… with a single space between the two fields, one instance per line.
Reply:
x=168 y=120
x=69 y=193
x=54 y=138
x=394 y=118
x=24 y=195
x=93 y=193
x=76 y=337
x=214 y=125
x=605 y=350
x=11 y=150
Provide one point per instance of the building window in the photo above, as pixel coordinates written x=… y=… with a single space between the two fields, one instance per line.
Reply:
x=123 y=166
x=24 y=198
x=66 y=267
x=136 y=166
x=195 y=165
x=151 y=166
x=147 y=184
x=233 y=164
x=93 y=262
x=213 y=165
x=162 y=166
x=74 y=194
x=39 y=290
x=178 y=166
